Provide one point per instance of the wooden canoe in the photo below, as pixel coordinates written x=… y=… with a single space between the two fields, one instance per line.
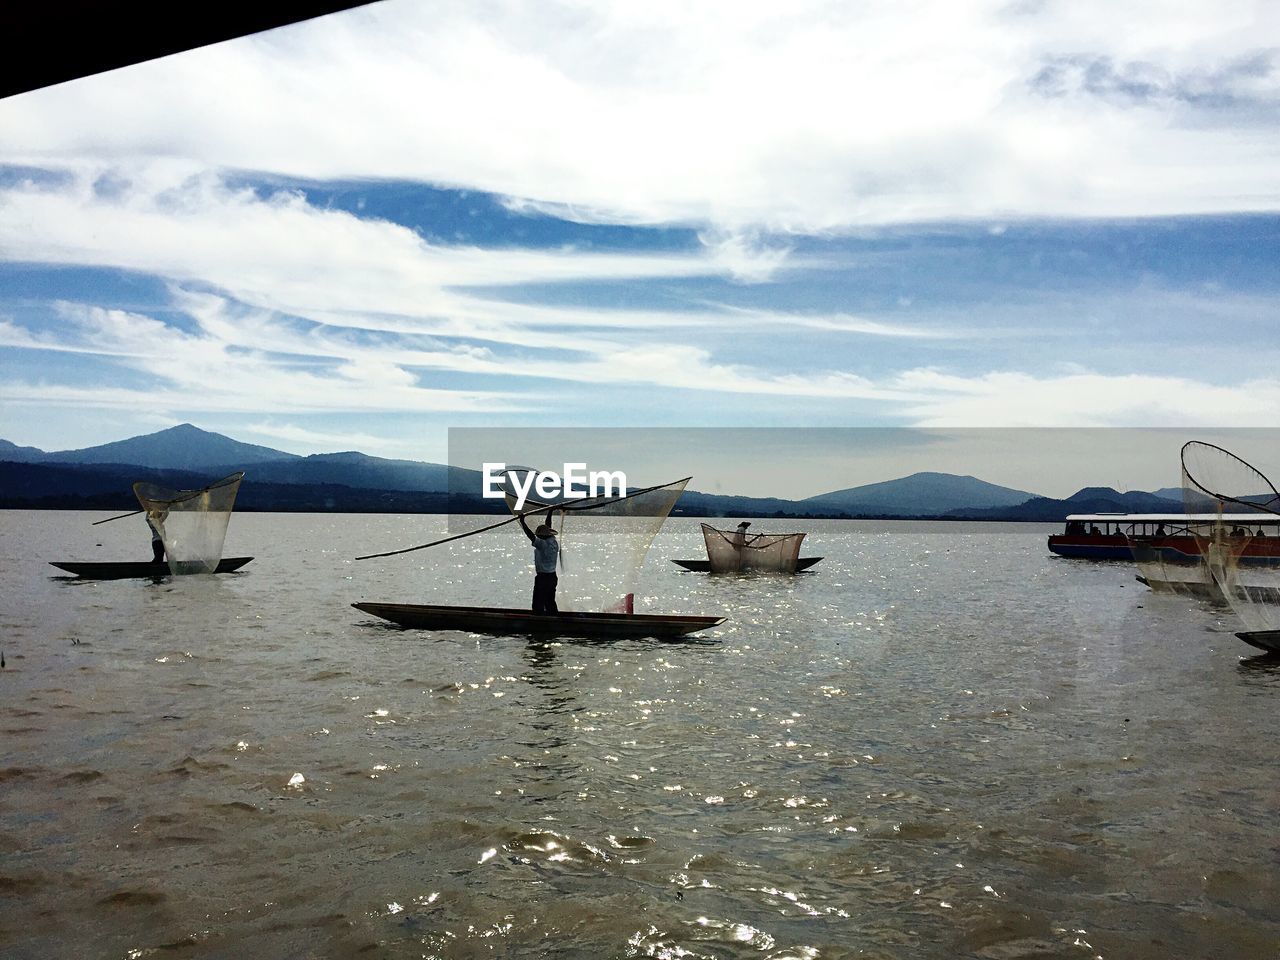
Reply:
x=508 y=621
x=126 y=570
x=1268 y=640
x=704 y=566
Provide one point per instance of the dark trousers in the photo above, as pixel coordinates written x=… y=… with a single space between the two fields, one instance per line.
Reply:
x=544 y=593
x=157 y=551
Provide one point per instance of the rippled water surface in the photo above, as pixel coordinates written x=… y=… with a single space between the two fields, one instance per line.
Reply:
x=940 y=743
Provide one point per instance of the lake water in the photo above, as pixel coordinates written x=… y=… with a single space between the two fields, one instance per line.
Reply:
x=943 y=742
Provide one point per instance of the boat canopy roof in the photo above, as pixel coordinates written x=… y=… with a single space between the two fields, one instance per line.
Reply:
x=1252 y=519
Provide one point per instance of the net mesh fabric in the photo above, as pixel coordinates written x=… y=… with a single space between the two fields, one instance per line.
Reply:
x=733 y=551
x=1243 y=565
x=192 y=523
x=603 y=543
x=1173 y=564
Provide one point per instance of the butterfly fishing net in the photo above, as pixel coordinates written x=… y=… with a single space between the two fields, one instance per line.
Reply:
x=734 y=551
x=603 y=541
x=192 y=523
x=1172 y=563
x=1238 y=505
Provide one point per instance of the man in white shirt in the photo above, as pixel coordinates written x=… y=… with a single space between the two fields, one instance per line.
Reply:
x=546 y=551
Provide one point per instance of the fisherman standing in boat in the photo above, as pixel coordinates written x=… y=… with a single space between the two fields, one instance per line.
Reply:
x=155 y=519
x=546 y=551
x=740 y=542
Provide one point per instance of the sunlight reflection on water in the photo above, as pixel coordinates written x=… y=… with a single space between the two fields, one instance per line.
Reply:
x=930 y=746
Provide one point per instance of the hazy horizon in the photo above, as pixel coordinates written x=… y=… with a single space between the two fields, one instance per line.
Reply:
x=795 y=464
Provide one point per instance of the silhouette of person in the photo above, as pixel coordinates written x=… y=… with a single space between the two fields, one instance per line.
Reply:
x=155 y=519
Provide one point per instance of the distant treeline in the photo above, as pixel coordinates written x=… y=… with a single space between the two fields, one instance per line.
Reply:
x=49 y=486
x=43 y=486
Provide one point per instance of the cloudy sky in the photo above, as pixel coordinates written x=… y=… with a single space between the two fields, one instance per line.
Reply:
x=359 y=231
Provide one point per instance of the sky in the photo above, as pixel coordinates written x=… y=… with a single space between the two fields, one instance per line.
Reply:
x=363 y=230
x=799 y=463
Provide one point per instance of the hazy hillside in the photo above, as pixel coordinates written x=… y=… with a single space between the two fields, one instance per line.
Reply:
x=111 y=485
x=920 y=494
x=1086 y=500
x=186 y=457
x=12 y=452
x=36 y=486
x=360 y=470
x=183 y=447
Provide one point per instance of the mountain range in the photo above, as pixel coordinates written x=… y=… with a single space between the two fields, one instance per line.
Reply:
x=186 y=457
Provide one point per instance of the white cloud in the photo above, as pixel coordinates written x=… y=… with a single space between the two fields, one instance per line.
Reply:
x=744 y=255
x=298 y=394
x=241 y=354
x=306 y=439
x=669 y=365
x=234 y=363
x=203 y=372
x=849 y=323
x=1012 y=399
x=279 y=253
x=161 y=220
x=381 y=323
x=799 y=117
x=13 y=335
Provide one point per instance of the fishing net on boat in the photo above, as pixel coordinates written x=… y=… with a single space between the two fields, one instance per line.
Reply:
x=192 y=523
x=603 y=540
x=733 y=551
x=1173 y=564
x=1238 y=506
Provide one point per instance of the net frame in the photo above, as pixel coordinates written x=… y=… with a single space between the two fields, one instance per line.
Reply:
x=603 y=540
x=736 y=551
x=1245 y=572
x=1167 y=568
x=192 y=523
x=1195 y=455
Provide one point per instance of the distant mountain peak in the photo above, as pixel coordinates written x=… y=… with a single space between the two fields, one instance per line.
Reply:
x=9 y=447
x=937 y=475
x=1086 y=500
x=1095 y=493
x=182 y=447
x=925 y=493
x=184 y=430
